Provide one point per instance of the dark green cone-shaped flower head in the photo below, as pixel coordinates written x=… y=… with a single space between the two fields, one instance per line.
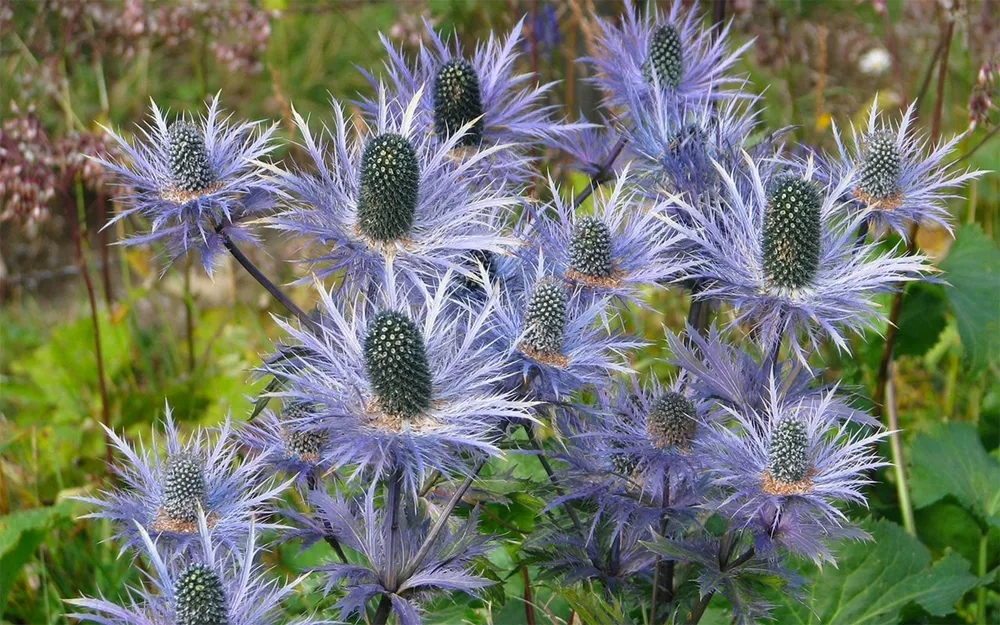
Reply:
x=303 y=443
x=788 y=455
x=184 y=487
x=545 y=318
x=458 y=101
x=199 y=598
x=390 y=180
x=623 y=464
x=879 y=176
x=666 y=60
x=590 y=248
x=671 y=421
x=792 y=232
x=397 y=364
x=188 y=156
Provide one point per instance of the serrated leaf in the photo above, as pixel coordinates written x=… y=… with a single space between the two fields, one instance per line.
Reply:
x=949 y=459
x=921 y=319
x=874 y=581
x=972 y=269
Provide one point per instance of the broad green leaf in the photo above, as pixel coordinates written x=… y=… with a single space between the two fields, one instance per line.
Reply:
x=972 y=269
x=921 y=319
x=873 y=582
x=20 y=534
x=949 y=459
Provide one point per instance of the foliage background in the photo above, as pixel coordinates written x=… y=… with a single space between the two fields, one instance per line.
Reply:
x=192 y=342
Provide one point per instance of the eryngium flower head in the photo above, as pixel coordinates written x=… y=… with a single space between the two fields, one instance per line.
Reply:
x=902 y=177
x=286 y=445
x=790 y=455
x=389 y=193
x=482 y=94
x=403 y=380
x=193 y=178
x=210 y=586
x=369 y=531
x=613 y=556
x=759 y=253
x=162 y=492
x=618 y=250
x=725 y=376
x=554 y=338
x=670 y=51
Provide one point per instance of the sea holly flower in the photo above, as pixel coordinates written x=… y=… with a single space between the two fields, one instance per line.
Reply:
x=193 y=178
x=389 y=193
x=162 y=493
x=286 y=445
x=668 y=51
x=787 y=457
x=389 y=566
x=783 y=255
x=614 y=556
x=554 y=339
x=211 y=586
x=482 y=90
x=902 y=178
x=616 y=250
x=401 y=380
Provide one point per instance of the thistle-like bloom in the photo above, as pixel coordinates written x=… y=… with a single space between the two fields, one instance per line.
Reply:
x=783 y=255
x=403 y=380
x=667 y=51
x=390 y=567
x=555 y=340
x=389 y=193
x=211 y=586
x=727 y=376
x=192 y=179
x=286 y=445
x=483 y=91
x=618 y=250
x=902 y=177
x=791 y=458
x=162 y=493
x=615 y=557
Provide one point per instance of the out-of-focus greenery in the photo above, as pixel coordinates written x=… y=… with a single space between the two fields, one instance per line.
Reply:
x=51 y=443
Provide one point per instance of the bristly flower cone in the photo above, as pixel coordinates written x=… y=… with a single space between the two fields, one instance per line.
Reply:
x=390 y=180
x=879 y=175
x=671 y=421
x=183 y=488
x=788 y=454
x=666 y=60
x=188 y=156
x=545 y=319
x=396 y=362
x=590 y=248
x=457 y=101
x=307 y=444
x=792 y=233
x=199 y=598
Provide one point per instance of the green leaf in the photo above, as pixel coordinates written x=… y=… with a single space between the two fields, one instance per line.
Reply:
x=20 y=534
x=972 y=269
x=874 y=581
x=949 y=459
x=921 y=319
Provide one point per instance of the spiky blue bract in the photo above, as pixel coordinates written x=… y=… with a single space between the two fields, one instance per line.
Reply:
x=590 y=350
x=674 y=142
x=636 y=247
x=186 y=207
x=465 y=411
x=514 y=108
x=724 y=375
x=838 y=295
x=756 y=465
x=453 y=213
x=286 y=445
x=590 y=147
x=249 y=594
x=617 y=559
x=368 y=530
x=908 y=177
x=624 y=49
x=233 y=489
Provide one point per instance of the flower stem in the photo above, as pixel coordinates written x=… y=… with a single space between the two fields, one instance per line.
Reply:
x=698 y=609
x=663 y=575
x=327 y=535
x=394 y=497
x=603 y=174
x=981 y=591
x=269 y=286
x=529 y=607
x=902 y=487
x=384 y=608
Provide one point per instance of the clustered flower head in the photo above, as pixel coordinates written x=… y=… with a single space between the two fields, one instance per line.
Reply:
x=460 y=319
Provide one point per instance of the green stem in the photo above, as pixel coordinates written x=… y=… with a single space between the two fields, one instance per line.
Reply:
x=981 y=591
x=902 y=488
